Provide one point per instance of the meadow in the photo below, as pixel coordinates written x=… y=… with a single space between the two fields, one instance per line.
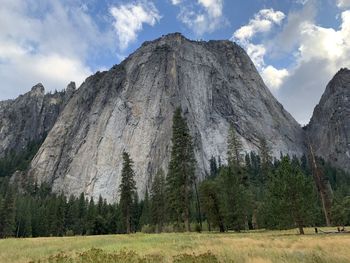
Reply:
x=257 y=247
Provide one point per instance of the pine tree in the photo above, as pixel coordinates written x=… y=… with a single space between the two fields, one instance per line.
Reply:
x=291 y=196
x=158 y=200
x=71 y=214
x=213 y=167
x=181 y=174
x=127 y=190
x=90 y=217
x=234 y=148
x=136 y=211
x=211 y=205
x=23 y=216
x=265 y=159
x=146 y=211
x=7 y=216
x=235 y=198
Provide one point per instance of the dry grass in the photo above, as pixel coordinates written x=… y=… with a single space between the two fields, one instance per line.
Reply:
x=252 y=247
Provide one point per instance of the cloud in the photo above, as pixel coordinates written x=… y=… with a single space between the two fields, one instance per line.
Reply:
x=319 y=52
x=343 y=3
x=205 y=16
x=129 y=20
x=48 y=42
x=274 y=77
x=256 y=54
x=262 y=22
x=176 y=2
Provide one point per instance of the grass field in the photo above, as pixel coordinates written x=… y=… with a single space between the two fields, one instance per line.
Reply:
x=258 y=247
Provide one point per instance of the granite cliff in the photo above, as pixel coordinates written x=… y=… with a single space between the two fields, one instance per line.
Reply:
x=130 y=108
x=30 y=117
x=329 y=128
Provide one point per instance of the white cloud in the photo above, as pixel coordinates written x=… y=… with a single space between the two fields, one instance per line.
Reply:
x=205 y=16
x=301 y=2
x=129 y=20
x=213 y=7
x=319 y=52
x=343 y=3
x=176 y=2
x=48 y=42
x=274 y=77
x=262 y=22
x=256 y=54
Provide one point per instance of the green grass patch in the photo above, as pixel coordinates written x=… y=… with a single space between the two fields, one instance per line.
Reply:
x=250 y=247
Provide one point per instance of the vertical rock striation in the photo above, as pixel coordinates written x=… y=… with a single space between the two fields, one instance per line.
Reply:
x=329 y=128
x=30 y=117
x=130 y=108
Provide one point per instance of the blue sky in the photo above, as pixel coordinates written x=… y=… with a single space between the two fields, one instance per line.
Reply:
x=297 y=45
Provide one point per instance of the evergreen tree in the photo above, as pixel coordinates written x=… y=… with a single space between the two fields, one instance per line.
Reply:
x=158 y=200
x=265 y=159
x=291 y=196
x=7 y=216
x=23 y=216
x=127 y=190
x=181 y=174
x=211 y=204
x=146 y=211
x=235 y=198
x=136 y=212
x=234 y=148
x=90 y=217
x=71 y=214
x=213 y=167
x=341 y=211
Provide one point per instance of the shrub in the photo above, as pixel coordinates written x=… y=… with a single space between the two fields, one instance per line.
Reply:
x=69 y=233
x=148 y=229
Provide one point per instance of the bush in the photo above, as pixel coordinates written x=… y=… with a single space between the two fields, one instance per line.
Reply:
x=207 y=257
x=198 y=228
x=148 y=229
x=69 y=233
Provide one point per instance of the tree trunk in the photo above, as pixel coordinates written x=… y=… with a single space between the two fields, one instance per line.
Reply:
x=187 y=221
x=321 y=187
x=128 y=221
x=187 y=209
x=198 y=205
x=255 y=220
x=301 y=230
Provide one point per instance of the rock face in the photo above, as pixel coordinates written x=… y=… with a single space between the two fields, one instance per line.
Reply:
x=30 y=117
x=130 y=108
x=329 y=128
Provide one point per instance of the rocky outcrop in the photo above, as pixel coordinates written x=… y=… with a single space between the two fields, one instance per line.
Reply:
x=130 y=108
x=329 y=128
x=30 y=117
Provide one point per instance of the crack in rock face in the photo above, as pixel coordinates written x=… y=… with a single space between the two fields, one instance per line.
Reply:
x=130 y=107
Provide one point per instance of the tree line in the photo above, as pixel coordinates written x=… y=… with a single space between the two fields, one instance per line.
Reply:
x=249 y=191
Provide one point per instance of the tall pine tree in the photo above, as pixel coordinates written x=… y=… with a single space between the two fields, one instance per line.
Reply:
x=158 y=200
x=127 y=190
x=7 y=216
x=234 y=148
x=181 y=174
x=291 y=196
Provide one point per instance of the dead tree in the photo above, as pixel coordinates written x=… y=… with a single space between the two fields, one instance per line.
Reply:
x=322 y=186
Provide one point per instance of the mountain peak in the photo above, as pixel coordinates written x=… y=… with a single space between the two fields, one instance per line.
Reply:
x=330 y=121
x=38 y=89
x=214 y=83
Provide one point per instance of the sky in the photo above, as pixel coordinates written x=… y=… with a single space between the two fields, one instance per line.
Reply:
x=296 y=45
